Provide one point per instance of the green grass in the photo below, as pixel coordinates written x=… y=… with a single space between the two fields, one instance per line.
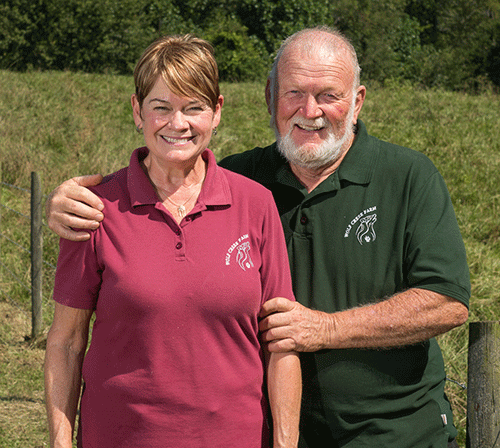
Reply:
x=64 y=124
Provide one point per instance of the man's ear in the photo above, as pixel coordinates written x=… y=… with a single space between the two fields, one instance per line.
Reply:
x=360 y=99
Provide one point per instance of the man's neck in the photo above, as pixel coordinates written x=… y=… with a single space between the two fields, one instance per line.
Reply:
x=311 y=178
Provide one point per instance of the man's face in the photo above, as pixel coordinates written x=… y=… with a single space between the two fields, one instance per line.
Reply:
x=316 y=107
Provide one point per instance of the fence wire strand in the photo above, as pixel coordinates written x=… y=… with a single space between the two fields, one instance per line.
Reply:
x=15 y=187
x=15 y=211
x=14 y=276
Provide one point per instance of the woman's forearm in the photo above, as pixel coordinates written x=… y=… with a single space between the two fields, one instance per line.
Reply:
x=284 y=382
x=62 y=392
x=66 y=345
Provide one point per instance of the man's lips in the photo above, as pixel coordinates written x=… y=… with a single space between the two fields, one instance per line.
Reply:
x=304 y=127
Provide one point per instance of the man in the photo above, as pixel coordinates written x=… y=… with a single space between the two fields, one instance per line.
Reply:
x=377 y=259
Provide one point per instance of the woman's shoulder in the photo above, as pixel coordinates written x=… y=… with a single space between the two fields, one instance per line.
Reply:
x=113 y=186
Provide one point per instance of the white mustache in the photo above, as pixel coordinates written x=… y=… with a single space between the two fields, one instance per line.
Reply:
x=317 y=123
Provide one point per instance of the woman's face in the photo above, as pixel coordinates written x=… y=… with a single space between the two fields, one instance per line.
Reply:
x=176 y=129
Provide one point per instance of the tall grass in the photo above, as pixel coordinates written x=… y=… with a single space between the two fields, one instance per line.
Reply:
x=65 y=124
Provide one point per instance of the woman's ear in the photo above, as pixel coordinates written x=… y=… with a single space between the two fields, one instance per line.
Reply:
x=136 y=111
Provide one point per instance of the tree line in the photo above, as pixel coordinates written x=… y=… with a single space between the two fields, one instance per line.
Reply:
x=453 y=44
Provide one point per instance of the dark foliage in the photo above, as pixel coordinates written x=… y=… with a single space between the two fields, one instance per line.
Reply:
x=448 y=43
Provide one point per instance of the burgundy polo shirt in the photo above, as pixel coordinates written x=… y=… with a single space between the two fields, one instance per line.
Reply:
x=175 y=359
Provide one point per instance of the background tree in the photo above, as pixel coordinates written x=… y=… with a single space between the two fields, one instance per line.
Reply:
x=449 y=43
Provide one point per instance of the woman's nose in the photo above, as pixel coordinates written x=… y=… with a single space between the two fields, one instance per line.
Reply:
x=178 y=120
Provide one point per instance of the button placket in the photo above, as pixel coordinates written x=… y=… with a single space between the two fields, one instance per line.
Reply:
x=179 y=243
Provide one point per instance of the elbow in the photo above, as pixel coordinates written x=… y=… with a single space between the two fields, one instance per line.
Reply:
x=459 y=314
x=463 y=316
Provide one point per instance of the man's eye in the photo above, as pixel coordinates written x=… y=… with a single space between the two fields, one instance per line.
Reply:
x=330 y=96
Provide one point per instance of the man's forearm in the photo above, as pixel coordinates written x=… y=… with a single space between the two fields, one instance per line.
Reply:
x=406 y=318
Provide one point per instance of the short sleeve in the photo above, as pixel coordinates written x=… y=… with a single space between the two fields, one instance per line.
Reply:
x=78 y=276
x=275 y=270
x=435 y=253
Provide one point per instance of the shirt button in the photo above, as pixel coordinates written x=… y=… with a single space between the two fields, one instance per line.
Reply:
x=303 y=220
x=178 y=246
x=178 y=232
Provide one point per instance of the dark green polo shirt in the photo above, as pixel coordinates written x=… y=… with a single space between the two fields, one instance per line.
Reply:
x=380 y=224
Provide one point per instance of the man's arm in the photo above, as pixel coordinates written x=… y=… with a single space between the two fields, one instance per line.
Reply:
x=66 y=344
x=406 y=318
x=284 y=383
x=72 y=206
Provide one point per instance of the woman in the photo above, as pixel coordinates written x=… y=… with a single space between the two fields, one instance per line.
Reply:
x=176 y=276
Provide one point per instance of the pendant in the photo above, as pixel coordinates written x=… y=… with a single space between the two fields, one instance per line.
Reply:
x=181 y=211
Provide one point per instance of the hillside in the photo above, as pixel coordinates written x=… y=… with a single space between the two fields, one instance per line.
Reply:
x=64 y=124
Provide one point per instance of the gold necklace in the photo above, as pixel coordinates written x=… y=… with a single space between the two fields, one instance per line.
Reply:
x=181 y=210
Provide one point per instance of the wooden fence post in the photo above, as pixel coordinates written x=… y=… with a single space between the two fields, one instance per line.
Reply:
x=36 y=254
x=483 y=388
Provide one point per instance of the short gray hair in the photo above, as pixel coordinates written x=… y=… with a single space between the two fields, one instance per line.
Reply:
x=335 y=34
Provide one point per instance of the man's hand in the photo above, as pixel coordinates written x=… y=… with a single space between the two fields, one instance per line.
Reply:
x=72 y=206
x=289 y=326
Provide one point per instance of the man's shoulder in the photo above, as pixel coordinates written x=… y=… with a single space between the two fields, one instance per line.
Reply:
x=244 y=184
x=258 y=163
x=399 y=156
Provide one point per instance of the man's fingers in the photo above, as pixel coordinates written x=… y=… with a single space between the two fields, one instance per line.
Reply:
x=275 y=305
x=76 y=189
x=273 y=320
x=90 y=180
x=72 y=206
x=83 y=205
x=73 y=235
x=281 y=346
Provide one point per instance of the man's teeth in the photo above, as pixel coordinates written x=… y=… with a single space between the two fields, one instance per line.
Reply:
x=309 y=128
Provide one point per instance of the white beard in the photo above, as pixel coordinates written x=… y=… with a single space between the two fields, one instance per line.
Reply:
x=324 y=154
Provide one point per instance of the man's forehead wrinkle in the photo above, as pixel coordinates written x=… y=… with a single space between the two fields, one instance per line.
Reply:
x=327 y=69
x=332 y=58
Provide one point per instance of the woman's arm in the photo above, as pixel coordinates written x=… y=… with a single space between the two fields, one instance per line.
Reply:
x=284 y=383
x=66 y=345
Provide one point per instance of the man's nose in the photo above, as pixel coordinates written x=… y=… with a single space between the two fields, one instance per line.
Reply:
x=311 y=108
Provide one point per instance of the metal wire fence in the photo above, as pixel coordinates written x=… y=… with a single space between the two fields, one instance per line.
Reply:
x=24 y=281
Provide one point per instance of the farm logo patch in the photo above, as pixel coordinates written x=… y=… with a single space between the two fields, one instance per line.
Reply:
x=364 y=224
x=241 y=247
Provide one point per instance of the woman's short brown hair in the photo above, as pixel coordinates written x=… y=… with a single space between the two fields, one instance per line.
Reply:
x=186 y=64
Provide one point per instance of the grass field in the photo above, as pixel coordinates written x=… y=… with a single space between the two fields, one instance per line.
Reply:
x=65 y=124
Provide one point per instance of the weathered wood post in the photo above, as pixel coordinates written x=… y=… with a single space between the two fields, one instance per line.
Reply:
x=483 y=389
x=36 y=254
